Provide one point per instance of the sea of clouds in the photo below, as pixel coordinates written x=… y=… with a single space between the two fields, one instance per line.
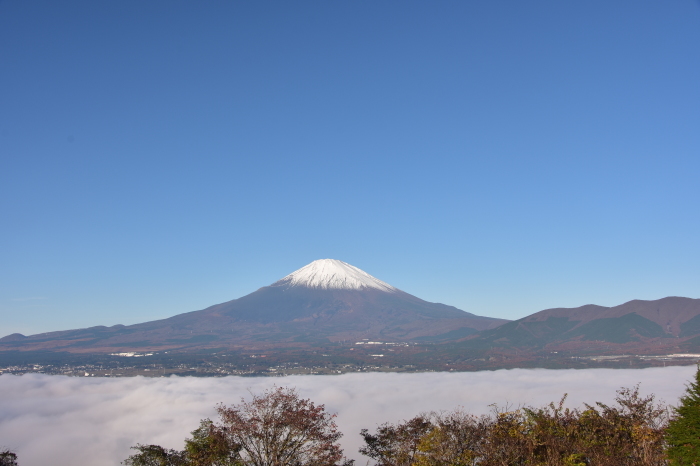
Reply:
x=66 y=421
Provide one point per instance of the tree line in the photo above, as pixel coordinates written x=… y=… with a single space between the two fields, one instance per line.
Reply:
x=279 y=428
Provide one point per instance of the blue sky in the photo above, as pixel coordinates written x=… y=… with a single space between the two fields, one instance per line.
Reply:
x=503 y=157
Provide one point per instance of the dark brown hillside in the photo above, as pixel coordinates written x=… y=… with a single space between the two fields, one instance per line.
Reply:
x=668 y=312
x=658 y=324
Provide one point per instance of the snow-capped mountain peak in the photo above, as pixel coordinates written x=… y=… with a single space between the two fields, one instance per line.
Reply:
x=333 y=274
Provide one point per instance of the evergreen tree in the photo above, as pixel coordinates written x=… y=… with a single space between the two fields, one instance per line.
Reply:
x=683 y=432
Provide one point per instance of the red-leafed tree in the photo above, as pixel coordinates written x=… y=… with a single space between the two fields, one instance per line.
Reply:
x=278 y=428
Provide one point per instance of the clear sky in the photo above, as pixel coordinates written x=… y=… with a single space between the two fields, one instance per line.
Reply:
x=502 y=157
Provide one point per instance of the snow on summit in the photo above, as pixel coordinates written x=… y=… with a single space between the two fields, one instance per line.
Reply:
x=333 y=274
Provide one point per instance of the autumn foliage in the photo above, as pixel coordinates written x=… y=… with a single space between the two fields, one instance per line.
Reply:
x=628 y=433
x=278 y=428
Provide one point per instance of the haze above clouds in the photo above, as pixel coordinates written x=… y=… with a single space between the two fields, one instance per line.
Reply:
x=65 y=421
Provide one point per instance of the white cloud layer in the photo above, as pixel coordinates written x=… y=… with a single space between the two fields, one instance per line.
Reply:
x=66 y=421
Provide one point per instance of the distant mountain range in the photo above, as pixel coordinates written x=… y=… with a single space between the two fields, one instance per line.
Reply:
x=641 y=325
x=330 y=302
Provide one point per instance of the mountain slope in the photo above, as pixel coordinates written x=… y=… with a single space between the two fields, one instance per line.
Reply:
x=666 y=321
x=325 y=301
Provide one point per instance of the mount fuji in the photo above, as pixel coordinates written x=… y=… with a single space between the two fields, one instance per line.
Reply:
x=325 y=302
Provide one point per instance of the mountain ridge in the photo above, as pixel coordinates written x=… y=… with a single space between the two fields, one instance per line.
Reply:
x=634 y=322
x=325 y=301
x=329 y=303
